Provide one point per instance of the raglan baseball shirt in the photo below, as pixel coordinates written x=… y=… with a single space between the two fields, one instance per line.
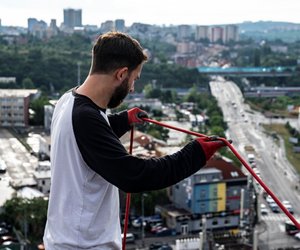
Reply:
x=88 y=166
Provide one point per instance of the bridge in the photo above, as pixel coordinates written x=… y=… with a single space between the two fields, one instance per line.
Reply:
x=278 y=71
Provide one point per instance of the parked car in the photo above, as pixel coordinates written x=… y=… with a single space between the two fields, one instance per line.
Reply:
x=156 y=228
x=3 y=231
x=165 y=232
x=7 y=238
x=165 y=246
x=2 y=166
x=129 y=238
x=155 y=245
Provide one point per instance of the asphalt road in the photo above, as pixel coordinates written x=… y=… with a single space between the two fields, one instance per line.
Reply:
x=276 y=172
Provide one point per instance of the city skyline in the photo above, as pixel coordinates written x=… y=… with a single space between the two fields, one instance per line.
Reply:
x=154 y=12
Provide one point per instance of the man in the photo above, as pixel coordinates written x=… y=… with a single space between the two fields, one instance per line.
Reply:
x=88 y=162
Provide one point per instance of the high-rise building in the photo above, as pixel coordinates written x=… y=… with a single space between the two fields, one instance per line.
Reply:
x=120 y=25
x=202 y=32
x=72 y=18
x=37 y=28
x=107 y=26
x=184 y=32
x=216 y=34
x=230 y=33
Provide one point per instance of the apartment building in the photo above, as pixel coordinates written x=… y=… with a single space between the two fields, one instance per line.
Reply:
x=14 y=107
x=72 y=18
x=210 y=198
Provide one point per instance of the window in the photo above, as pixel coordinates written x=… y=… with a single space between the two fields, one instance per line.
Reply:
x=227 y=221
x=202 y=193
x=215 y=222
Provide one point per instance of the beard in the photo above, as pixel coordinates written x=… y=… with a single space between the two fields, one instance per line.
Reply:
x=119 y=94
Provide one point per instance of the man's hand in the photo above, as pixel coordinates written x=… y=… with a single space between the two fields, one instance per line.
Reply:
x=210 y=145
x=135 y=116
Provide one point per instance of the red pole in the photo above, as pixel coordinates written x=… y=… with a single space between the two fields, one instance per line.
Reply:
x=128 y=197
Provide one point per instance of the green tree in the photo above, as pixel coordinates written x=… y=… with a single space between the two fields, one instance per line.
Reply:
x=27 y=83
x=37 y=106
x=27 y=215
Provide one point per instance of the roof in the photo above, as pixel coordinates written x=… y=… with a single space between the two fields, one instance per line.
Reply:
x=29 y=193
x=229 y=171
x=17 y=92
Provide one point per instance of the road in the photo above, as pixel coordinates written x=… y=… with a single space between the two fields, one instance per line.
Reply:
x=277 y=173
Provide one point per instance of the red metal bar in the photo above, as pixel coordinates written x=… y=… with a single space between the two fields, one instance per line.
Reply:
x=128 y=198
x=227 y=143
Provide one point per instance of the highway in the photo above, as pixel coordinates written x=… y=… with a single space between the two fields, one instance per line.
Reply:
x=244 y=128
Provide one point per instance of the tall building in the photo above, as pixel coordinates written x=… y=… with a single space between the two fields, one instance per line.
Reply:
x=120 y=25
x=72 y=18
x=107 y=26
x=14 y=107
x=184 y=32
x=202 y=32
x=230 y=33
x=216 y=34
x=37 y=28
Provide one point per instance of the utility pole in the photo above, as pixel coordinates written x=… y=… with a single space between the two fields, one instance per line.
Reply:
x=242 y=207
x=78 y=73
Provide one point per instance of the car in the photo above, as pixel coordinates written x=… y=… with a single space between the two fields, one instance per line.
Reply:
x=269 y=199
x=288 y=206
x=129 y=238
x=138 y=223
x=165 y=246
x=156 y=228
x=263 y=209
x=3 y=231
x=155 y=245
x=7 y=238
x=165 y=232
x=2 y=166
x=274 y=207
x=297 y=236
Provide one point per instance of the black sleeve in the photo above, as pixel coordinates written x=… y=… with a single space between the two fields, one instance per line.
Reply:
x=104 y=153
x=119 y=123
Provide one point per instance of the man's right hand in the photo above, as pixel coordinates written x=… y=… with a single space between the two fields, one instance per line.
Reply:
x=210 y=146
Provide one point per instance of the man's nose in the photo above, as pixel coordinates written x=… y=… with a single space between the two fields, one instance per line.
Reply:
x=131 y=90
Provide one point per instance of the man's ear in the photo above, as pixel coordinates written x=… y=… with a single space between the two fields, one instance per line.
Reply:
x=121 y=73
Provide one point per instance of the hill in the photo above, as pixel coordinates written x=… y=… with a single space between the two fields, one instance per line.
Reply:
x=286 y=31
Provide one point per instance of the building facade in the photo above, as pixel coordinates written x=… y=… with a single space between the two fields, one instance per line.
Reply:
x=211 y=199
x=72 y=18
x=14 y=107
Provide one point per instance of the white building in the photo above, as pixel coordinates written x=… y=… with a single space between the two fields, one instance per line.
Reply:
x=42 y=176
x=14 y=107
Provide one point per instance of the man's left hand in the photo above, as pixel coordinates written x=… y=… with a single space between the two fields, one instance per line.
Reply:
x=135 y=116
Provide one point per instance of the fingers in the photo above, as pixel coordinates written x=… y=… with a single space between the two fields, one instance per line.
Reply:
x=142 y=115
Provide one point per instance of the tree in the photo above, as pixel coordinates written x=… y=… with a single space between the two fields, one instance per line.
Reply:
x=27 y=215
x=27 y=83
x=38 y=107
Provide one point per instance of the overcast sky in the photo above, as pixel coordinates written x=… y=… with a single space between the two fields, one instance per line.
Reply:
x=160 y=12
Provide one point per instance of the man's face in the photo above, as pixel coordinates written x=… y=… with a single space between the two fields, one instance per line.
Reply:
x=126 y=86
x=120 y=93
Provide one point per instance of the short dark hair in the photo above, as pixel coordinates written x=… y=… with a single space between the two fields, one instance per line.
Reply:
x=115 y=50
